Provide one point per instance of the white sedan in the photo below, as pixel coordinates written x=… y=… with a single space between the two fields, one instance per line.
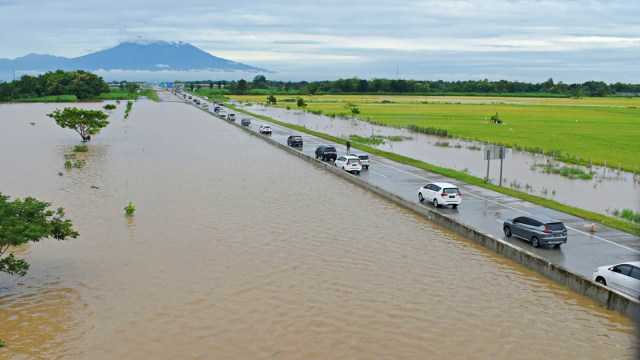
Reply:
x=623 y=277
x=265 y=129
x=349 y=163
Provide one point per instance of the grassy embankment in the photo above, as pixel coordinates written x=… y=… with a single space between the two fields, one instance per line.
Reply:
x=116 y=94
x=619 y=224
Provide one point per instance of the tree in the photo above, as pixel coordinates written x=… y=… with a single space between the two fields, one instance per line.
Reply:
x=353 y=108
x=301 y=103
x=84 y=122
x=260 y=82
x=28 y=220
x=496 y=119
x=242 y=87
x=271 y=100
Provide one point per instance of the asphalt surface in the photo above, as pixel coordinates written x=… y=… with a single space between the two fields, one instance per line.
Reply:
x=482 y=209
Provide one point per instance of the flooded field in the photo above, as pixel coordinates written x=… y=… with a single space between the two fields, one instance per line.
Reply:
x=607 y=191
x=239 y=251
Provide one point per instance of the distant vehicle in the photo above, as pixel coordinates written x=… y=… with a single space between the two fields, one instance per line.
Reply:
x=364 y=159
x=190 y=97
x=440 y=194
x=537 y=229
x=265 y=129
x=294 y=140
x=349 y=163
x=326 y=152
x=623 y=277
x=245 y=122
x=231 y=116
x=205 y=106
x=206 y=98
x=216 y=108
x=221 y=113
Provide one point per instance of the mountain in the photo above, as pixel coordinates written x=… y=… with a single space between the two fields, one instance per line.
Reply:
x=136 y=56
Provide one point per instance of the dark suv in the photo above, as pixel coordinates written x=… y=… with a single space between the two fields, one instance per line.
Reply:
x=326 y=152
x=294 y=140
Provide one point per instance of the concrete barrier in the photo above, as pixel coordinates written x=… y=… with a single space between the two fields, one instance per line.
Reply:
x=603 y=295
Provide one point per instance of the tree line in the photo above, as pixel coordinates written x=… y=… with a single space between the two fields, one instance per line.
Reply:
x=80 y=83
x=550 y=88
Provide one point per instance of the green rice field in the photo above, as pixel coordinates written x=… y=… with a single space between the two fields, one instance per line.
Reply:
x=576 y=130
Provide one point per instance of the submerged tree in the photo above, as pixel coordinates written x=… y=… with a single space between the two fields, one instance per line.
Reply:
x=353 y=108
x=84 y=122
x=28 y=220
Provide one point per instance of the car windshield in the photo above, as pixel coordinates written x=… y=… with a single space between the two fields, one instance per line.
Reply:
x=363 y=157
x=557 y=226
x=297 y=138
x=451 y=191
x=330 y=149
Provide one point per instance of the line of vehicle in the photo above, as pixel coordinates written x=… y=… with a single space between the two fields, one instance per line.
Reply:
x=474 y=195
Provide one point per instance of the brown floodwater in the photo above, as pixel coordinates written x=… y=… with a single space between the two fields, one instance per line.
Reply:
x=238 y=250
x=609 y=190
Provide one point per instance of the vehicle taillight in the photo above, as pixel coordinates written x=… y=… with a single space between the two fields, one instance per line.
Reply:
x=443 y=194
x=546 y=230
x=459 y=194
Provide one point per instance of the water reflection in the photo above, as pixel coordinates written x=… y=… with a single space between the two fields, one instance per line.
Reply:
x=238 y=250
x=609 y=190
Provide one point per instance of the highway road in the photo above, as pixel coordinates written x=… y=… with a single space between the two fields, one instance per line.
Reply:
x=482 y=209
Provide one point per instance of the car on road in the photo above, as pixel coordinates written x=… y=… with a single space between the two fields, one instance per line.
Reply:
x=326 y=152
x=537 y=229
x=221 y=113
x=265 y=129
x=217 y=108
x=623 y=277
x=349 y=163
x=245 y=122
x=364 y=159
x=294 y=140
x=440 y=193
x=231 y=116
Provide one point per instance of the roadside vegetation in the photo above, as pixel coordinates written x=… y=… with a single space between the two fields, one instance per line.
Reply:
x=616 y=223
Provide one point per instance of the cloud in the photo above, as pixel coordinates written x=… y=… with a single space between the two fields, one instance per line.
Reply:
x=348 y=35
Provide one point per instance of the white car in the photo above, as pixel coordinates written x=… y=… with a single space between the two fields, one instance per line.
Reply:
x=441 y=194
x=349 y=163
x=624 y=277
x=364 y=160
x=265 y=129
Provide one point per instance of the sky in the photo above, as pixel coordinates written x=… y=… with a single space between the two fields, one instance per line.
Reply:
x=516 y=40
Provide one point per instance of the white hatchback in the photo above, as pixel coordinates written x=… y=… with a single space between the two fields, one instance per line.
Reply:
x=440 y=194
x=349 y=163
x=623 y=277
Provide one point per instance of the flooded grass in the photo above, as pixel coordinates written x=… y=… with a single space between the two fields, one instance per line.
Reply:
x=80 y=148
x=568 y=172
x=567 y=127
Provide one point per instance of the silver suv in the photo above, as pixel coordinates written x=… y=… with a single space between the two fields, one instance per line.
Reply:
x=538 y=229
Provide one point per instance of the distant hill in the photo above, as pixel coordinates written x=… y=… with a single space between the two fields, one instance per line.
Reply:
x=145 y=56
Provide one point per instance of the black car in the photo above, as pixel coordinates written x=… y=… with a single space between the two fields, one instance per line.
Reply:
x=538 y=229
x=294 y=140
x=245 y=122
x=326 y=152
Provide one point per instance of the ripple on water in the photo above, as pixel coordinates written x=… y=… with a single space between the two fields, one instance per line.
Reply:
x=238 y=250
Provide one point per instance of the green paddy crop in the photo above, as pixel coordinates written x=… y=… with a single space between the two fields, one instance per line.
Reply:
x=578 y=131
